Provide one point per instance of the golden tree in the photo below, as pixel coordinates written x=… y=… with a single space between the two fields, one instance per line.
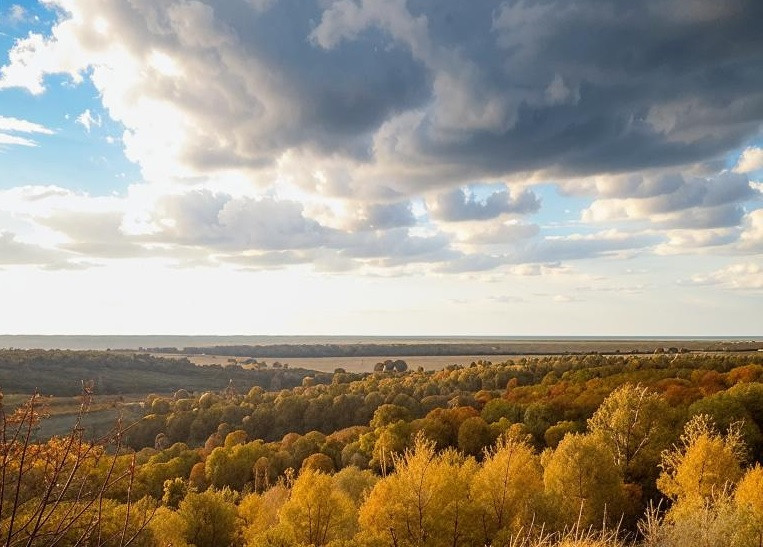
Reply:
x=56 y=492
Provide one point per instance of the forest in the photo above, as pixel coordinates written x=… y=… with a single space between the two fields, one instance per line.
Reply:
x=24 y=371
x=577 y=450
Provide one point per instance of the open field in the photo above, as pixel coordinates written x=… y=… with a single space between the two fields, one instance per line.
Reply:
x=366 y=364
x=61 y=412
x=350 y=364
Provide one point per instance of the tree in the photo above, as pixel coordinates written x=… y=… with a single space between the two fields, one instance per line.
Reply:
x=583 y=481
x=631 y=420
x=318 y=462
x=318 y=512
x=507 y=488
x=56 y=492
x=749 y=499
x=426 y=502
x=259 y=513
x=473 y=436
x=209 y=518
x=703 y=462
x=389 y=414
x=495 y=409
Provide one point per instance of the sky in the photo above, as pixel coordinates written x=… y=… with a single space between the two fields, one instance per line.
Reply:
x=381 y=167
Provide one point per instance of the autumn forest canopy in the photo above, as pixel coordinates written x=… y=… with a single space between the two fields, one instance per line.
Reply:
x=590 y=450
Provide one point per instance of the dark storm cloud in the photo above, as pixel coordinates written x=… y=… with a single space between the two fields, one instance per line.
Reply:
x=478 y=88
x=594 y=86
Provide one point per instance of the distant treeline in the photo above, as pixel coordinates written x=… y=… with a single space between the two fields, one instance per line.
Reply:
x=529 y=347
x=61 y=372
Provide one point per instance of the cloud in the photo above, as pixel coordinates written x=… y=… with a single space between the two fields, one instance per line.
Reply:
x=15 y=140
x=87 y=120
x=693 y=241
x=15 y=252
x=9 y=126
x=218 y=221
x=547 y=251
x=740 y=276
x=97 y=235
x=502 y=233
x=359 y=133
x=17 y=13
x=751 y=238
x=673 y=201
x=750 y=160
x=383 y=216
x=437 y=96
x=22 y=126
x=458 y=206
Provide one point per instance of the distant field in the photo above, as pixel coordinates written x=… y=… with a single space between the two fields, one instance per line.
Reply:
x=350 y=364
x=102 y=416
x=366 y=364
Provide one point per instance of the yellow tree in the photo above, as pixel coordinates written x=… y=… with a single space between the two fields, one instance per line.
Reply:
x=507 y=488
x=749 y=499
x=57 y=492
x=259 y=513
x=583 y=482
x=318 y=512
x=209 y=518
x=703 y=462
x=631 y=420
x=426 y=501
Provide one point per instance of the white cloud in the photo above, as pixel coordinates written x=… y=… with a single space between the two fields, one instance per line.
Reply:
x=17 y=13
x=741 y=276
x=751 y=238
x=22 y=126
x=750 y=160
x=15 y=140
x=670 y=200
x=10 y=125
x=87 y=120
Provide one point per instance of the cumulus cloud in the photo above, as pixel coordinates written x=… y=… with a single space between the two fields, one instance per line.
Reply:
x=751 y=238
x=458 y=205
x=741 y=276
x=673 y=201
x=383 y=216
x=750 y=160
x=218 y=221
x=692 y=241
